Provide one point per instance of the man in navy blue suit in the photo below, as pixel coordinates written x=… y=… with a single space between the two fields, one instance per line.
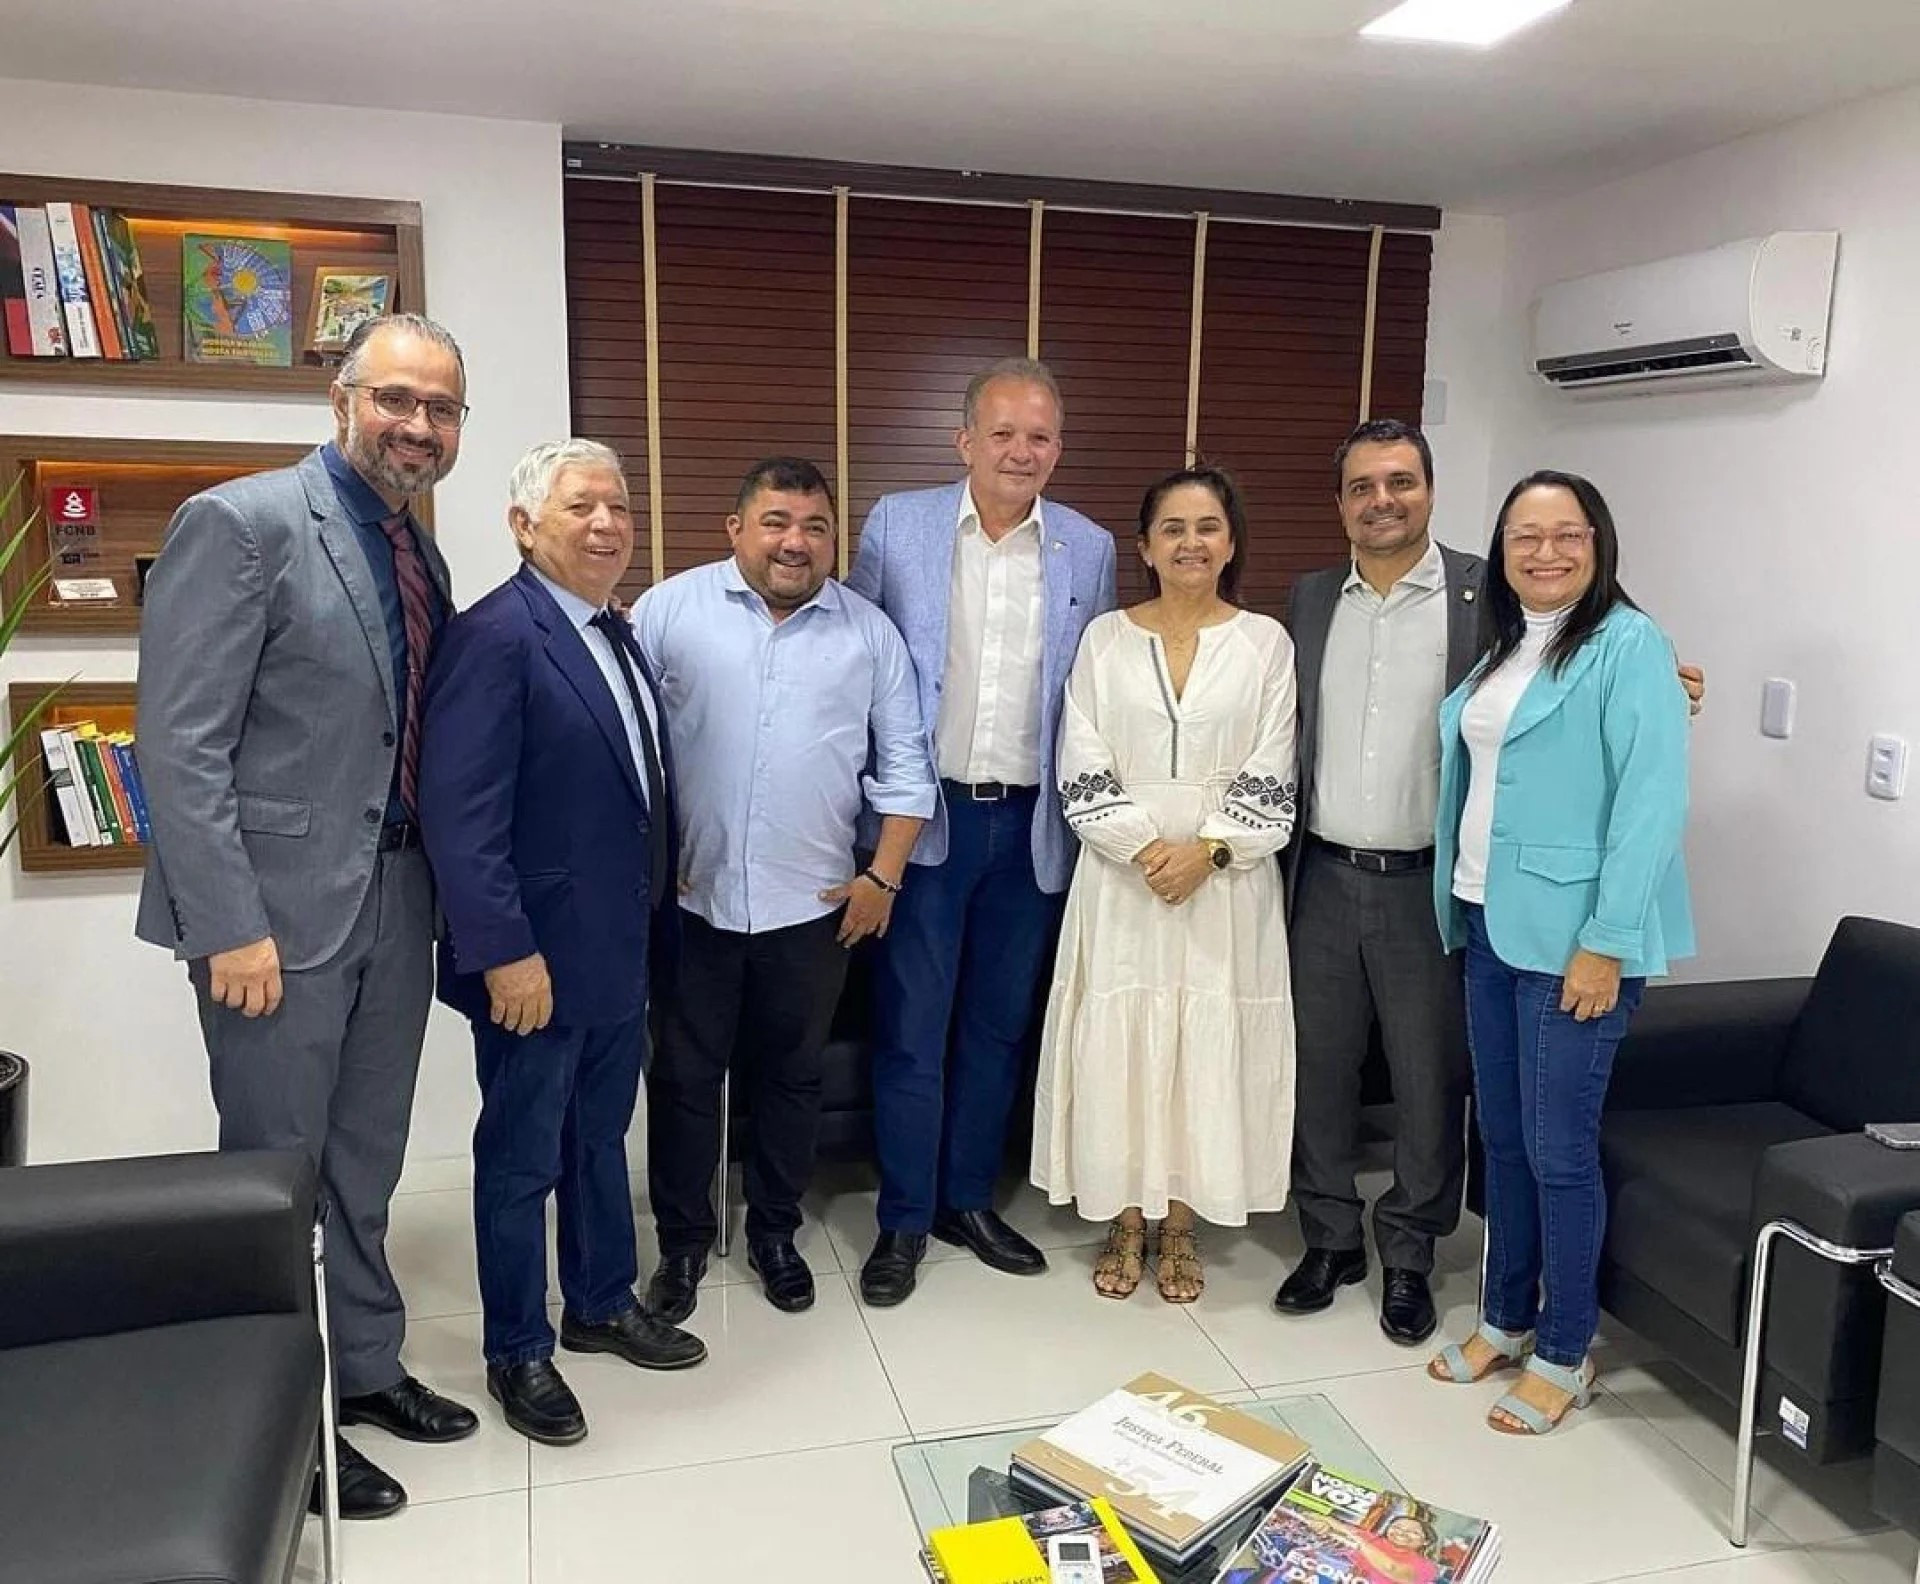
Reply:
x=546 y=813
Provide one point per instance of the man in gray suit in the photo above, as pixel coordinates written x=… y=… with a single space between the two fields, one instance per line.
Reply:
x=285 y=632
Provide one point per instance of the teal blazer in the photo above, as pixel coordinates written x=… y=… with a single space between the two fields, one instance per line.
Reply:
x=1588 y=812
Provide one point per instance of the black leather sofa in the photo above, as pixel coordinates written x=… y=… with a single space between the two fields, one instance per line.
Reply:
x=1733 y=1136
x=1896 y=1453
x=161 y=1370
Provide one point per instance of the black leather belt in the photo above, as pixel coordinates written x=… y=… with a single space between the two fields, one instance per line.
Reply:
x=398 y=838
x=986 y=791
x=1375 y=861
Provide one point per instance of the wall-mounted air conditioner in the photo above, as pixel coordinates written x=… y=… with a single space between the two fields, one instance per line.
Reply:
x=1752 y=310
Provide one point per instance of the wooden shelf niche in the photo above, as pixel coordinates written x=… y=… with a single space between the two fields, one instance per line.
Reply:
x=365 y=233
x=137 y=485
x=110 y=706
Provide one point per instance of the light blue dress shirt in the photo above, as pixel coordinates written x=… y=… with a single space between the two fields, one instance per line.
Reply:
x=581 y=614
x=779 y=730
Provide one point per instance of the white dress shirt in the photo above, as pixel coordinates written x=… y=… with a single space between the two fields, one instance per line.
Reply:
x=1376 y=776
x=581 y=614
x=988 y=727
x=1483 y=728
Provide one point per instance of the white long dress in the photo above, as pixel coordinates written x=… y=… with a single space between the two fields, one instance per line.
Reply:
x=1166 y=1065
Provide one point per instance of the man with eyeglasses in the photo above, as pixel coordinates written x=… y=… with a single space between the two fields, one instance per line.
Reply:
x=285 y=634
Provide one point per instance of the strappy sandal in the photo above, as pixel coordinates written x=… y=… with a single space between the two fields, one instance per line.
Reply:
x=1576 y=1383
x=1452 y=1365
x=1122 y=1261
x=1179 y=1266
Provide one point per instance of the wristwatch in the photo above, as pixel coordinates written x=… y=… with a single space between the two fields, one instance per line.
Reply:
x=884 y=884
x=1219 y=854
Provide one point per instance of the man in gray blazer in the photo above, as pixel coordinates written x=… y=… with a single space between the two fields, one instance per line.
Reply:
x=284 y=637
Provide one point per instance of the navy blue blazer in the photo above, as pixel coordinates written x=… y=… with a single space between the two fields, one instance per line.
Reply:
x=532 y=812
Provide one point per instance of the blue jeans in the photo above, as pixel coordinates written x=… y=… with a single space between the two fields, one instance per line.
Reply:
x=1540 y=1079
x=554 y=1110
x=956 y=987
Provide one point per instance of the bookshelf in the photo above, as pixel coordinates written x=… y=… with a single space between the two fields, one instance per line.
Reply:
x=365 y=233
x=110 y=705
x=137 y=486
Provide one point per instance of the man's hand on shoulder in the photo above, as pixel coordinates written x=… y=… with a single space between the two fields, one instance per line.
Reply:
x=247 y=978
x=522 y=995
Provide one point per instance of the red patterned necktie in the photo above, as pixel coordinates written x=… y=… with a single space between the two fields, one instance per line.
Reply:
x=416 y=615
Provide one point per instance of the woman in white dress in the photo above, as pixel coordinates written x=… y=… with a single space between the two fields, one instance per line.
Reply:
x=1166 y=1066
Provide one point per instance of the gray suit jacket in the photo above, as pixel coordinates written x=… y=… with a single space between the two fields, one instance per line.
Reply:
x=267 y=729
x=1310 y=617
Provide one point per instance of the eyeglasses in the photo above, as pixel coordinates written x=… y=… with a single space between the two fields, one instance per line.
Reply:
x=400 y=404
x=1564 y=540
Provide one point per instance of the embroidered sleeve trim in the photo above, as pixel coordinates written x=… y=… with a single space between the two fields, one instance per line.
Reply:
x=1092 y=795
x=1260 y=802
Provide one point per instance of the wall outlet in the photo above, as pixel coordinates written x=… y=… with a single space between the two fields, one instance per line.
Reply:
x=1887 y=767
x=1776 y=708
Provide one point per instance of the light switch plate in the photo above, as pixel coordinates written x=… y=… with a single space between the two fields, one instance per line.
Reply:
x=1887 y=767
x=1776 y=708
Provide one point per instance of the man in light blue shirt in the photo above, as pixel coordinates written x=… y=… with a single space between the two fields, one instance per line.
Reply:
x=790 y=700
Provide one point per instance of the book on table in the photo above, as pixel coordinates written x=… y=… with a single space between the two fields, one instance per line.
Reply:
x=1177 y=1467
x=1077 y=1543
x=1330 y=1528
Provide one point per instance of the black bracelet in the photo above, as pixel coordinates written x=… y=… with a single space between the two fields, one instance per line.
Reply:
x=885 y=885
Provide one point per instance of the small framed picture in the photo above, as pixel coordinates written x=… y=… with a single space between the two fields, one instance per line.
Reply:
x=343 y=297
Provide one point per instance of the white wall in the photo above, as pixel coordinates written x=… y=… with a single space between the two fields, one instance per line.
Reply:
x=106 y=1022
x=1772 y=531
x=1469 y=406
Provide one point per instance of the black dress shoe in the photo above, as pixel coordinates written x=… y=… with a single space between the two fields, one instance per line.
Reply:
x=366 y=1489
x=637 y=1337
x=675 y=1287
x=411 y=1412
x=1406 y=1306
x=537 y=1402
x=784 y=1276
x=891 y=1269
x=991 y=1239
x=1317 y=1277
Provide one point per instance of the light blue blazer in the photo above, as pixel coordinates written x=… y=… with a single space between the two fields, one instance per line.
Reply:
x=1588 y=811
x=905 y=566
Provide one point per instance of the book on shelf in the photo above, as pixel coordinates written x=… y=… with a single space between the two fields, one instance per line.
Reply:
x=83 y=336
x=1178 y=1467
x=44 y=317
x=237 y=300
x=130 y=286
x=13 y=286
x=105 y=320
x=68 y=801
x=1076 y=1543
x=94 y=777
x=1330 y=1528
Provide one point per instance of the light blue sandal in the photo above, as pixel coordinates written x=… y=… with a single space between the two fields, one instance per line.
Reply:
x=1576 y=1383
x=1451 y=1365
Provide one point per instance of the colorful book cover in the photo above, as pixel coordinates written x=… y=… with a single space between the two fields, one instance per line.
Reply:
x=108 y=745
x=13 y=286
x=128 y=770
x=96 y=835
x=110 y=275
x=99 y=288
x=106 y=816
x=43 y=282
x=1082 y=1541
x=1330 y=1528
x=83 y=340
x=237 y=299
x=132 y=278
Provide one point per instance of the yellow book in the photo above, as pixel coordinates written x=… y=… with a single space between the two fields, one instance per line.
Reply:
x=1078 y=1544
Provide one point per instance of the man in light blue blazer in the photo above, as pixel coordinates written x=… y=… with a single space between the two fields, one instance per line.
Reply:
x=991 y=586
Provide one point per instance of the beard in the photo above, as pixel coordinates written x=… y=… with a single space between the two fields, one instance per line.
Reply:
x=374 y=460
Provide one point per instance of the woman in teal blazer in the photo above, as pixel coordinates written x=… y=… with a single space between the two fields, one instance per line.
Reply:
x=1563 y=794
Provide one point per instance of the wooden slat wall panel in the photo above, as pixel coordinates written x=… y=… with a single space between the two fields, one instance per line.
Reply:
x=607 y=334
x=1280 y=387
x=1115 y=312
x=746 y=349
x=934 y=292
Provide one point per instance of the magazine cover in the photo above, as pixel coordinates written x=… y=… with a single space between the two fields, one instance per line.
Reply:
x=1330 y=1528
x=237 y=300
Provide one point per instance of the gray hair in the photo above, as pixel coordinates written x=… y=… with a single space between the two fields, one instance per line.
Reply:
x=1030 y=370
x=534 y=473
x=353 y=355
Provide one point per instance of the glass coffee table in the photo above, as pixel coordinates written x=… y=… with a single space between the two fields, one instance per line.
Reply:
x=963 y=1478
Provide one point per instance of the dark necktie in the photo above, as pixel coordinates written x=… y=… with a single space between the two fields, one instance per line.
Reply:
x=613 y=628
x=416 y=616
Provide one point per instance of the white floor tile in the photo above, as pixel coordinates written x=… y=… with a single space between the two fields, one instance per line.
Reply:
x=445 y=1353
x=1775 y=1567
x=482 y=1540
x=1884 y=1558
x=825 y=1517
x=772 y=1382
x=1603 y=1497
x=430 y=1246
x=974 y=1346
